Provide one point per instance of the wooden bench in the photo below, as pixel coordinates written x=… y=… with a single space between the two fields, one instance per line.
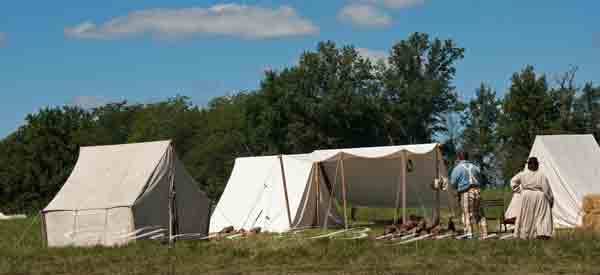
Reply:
x=500 y=217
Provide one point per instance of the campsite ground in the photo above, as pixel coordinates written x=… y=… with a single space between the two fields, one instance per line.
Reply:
x=21 y=252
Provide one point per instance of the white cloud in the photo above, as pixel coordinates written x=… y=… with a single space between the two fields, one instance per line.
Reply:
x=2 y=39
x=401 y=4
x=374 y=55
x=89 y=102
x=393 y=4
x=364 y=15
x=249 y=22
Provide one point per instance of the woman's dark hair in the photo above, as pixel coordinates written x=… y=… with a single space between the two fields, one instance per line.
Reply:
x=533 y=164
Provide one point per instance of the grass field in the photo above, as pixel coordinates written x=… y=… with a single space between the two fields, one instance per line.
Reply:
x=571 y=252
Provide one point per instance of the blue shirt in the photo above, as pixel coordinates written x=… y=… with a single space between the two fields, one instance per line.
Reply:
x=465 y=175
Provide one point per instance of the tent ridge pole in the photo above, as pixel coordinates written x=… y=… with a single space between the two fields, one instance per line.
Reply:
x=285 y=192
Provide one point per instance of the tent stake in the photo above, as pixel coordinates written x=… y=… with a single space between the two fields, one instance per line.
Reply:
x=287 y=201
x=344 y=189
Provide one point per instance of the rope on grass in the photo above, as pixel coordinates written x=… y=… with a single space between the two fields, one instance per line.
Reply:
x=361 y=234
x=194 y=236
x=327 y=235
x=361 y=231
x=444 y=236
x=405 y=236
x=236 y=236
x=490 y=236
x=384 y=236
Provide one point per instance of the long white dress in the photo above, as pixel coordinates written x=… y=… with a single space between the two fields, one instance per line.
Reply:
x=535 y=216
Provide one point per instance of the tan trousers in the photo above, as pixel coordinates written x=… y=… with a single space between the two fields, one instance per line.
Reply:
x=472 y=212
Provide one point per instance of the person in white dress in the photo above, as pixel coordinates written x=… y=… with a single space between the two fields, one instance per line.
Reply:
x=535 y=216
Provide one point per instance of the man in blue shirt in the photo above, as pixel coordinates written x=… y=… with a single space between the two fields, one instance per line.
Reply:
x=466 y=179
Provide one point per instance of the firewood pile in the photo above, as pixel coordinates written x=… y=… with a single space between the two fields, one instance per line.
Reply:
x=415 y=227
x=591 y=209
x=229 y=232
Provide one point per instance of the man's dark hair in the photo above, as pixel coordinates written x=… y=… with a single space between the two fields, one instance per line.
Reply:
x=463 y=155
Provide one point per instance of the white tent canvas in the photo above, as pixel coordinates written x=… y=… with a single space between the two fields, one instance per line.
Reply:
x=260 y=190
x=255 y=195
x=572 y=165
x=11 y=217
x=116 y=191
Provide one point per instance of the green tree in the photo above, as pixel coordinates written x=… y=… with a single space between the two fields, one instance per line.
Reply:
x=560 y=114
x=587 y=110
x=325 y=101
x=418 y=91
x=113 y=123
x=224 y=137
x=480 y=136
x=175 y=119
x=523 y=117
x=41 y=155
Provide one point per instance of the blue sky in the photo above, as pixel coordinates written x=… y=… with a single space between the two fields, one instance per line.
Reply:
x=88 y=52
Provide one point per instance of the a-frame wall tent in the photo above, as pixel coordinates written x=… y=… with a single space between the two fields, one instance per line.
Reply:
x=255 y=195
x=115 y=192
x=261 y=190
x=572 y=165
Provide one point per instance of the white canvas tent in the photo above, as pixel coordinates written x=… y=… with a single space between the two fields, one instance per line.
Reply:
x=116 y=191
x=11 y=217
x=278 y=193
x=572 y=165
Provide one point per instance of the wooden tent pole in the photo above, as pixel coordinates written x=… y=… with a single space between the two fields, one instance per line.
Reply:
x=436 y=214
x=171 y=198
x=344 y=190
x=404 y=170
x=287 y=201
x=398 y=190
x=44 y=233
x=318 y=201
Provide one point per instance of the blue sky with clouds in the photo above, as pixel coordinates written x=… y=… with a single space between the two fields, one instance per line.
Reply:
x=89 y=52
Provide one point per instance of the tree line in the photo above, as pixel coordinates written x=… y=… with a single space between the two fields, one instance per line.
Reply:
x=333 y=98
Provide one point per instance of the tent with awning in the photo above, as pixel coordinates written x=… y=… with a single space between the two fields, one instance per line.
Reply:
x=572 y=165
x=116 y=192
x=278 y=193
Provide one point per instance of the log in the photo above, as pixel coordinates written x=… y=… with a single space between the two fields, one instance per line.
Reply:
x=591 y=204
x=227 y=229
x=591 y=222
